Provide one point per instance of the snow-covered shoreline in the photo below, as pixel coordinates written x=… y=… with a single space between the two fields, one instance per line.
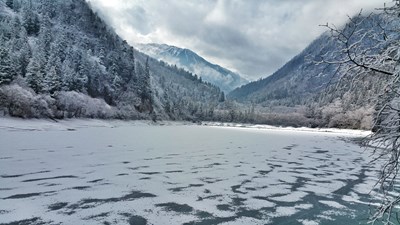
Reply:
x=72 y=124
x=362 y=133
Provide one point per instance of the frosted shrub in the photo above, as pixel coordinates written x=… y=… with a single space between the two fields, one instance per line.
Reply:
x=23 y=102
x=74 y=104
x=43 y=106
x=130 y=112
x=330 y=111
x=339 y=120
x=356 y=119
x=361 y=118
x=15 y=100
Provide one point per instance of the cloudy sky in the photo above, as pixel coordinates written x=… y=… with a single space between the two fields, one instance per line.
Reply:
x=251 y=37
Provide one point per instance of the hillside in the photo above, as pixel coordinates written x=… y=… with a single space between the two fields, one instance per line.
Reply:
x=225 y=79
x=296 y=79
x=59 y=59
x=321 y=91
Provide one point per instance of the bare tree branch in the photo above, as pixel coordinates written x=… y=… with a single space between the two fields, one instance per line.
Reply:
x=371 y=45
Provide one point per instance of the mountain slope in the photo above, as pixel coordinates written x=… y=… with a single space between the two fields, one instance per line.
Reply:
x=59 y=59
x=189 y=60
x=301 y=78
x=330 y=94
x=297 y=79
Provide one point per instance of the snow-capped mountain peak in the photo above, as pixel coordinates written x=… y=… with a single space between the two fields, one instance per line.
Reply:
x=225 y=79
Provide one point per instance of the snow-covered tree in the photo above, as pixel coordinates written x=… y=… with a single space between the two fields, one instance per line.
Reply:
x=30 y=20
x=52 y=81
x=7 y=72
x=221 y=97
x=146 y=94
x=117 y=81
x=81 y=78
x=67 y=75
x=35 y=73
x=376 y=50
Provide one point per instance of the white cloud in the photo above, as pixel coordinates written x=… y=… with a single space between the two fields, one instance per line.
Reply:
x=252 y=37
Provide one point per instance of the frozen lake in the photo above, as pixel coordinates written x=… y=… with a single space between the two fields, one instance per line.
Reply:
x=94 y=172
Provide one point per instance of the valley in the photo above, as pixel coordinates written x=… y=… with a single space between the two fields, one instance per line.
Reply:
x=181 y=112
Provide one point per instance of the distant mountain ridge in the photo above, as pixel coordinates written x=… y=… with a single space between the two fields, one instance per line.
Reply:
x=225 y=79
x=329 y=93
x=301 y=78
x=297 y=79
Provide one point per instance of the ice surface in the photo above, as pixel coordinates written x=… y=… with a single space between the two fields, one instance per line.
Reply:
x=333 y=204
x=309 y=222
x=295 y=196
x=115 y=172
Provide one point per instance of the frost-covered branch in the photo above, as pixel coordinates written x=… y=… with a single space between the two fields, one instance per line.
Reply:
x=370 y=46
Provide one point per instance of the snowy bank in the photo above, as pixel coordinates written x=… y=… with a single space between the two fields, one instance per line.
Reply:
x=71 y=124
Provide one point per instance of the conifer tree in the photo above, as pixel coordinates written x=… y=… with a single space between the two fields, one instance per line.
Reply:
x=35 y=73
x=7 y=73
x=52 y=81
x=30 y=21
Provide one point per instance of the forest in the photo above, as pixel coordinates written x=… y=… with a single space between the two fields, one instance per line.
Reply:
x=60 y=60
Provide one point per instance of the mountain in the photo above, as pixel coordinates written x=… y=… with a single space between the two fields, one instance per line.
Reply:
x=297 y=79
x=189 y=60
x=303 y=77
x=327 y=92
x=59 y=59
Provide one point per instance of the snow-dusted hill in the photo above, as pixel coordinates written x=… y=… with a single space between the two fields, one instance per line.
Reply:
x=302 y=78
x=189 y=60
x=296 y=80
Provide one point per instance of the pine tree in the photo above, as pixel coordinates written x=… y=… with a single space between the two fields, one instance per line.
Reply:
x=7 y=73
x=45 y=37
x=59 y=46
x=221 y=97
x=95 y=80
x=35 y=73
x=31 y=21
x=139 y=81
x=146 y=94
x=52 y=81
x=102 y=56
x=81 y=78
x=67 y=75
x=25 y=52
x=34 y=76
x=16 y=65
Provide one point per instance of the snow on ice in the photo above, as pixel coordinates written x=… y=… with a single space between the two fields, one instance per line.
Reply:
x=115 y=172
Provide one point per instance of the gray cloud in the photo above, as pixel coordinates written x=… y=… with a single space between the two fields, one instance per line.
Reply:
x=138 y=18
x=252 y=37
